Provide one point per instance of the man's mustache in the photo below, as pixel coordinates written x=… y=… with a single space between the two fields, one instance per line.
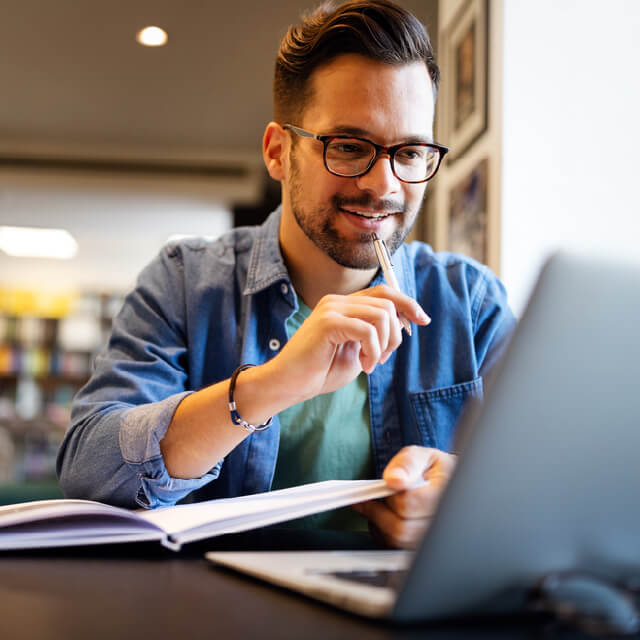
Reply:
x=367 y=202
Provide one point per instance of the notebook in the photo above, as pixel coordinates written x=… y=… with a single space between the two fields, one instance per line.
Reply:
x=548 y=476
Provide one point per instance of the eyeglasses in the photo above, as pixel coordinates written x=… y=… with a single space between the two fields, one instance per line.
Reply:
x=350 y=157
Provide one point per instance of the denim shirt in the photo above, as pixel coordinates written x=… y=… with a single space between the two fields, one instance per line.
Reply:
x=202 y=307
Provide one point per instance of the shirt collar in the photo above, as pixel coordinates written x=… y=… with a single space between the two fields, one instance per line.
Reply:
x=266 y=264
x=404 y=268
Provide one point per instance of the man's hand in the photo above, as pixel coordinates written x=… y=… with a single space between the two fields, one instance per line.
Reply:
x=401 y=519
x=343 y=336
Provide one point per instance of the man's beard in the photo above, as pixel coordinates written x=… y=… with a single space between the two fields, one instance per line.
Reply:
x=319 y=226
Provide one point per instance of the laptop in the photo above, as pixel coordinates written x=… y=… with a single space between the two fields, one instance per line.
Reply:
x=548 y=477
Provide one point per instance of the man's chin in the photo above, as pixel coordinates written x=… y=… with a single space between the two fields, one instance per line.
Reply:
x=362 y=259
x=359 y=253
x=358 y=266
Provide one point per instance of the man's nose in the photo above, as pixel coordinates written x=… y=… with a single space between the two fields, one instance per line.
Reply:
x=380 y=179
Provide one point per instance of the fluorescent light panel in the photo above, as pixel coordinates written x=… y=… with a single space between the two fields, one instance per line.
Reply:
x=32 y=242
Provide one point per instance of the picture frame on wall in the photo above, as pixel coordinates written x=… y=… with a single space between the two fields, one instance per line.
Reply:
x=464 y=63
x=468 y=219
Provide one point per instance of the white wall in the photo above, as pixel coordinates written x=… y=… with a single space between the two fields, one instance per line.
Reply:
x=571 y=133
x=120 y=222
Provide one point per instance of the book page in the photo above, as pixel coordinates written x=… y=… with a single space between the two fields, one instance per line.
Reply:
x=37 y=510
x=311 y=498
x=54 y=523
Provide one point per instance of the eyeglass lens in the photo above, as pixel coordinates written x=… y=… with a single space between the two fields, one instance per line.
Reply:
x=352 y=157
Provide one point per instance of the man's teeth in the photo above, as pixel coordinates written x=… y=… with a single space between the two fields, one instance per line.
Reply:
x=373 y=216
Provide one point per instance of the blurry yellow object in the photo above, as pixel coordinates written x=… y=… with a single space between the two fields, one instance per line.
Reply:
x=27 y=302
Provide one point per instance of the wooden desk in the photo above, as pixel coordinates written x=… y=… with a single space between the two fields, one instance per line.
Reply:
x=144 y=592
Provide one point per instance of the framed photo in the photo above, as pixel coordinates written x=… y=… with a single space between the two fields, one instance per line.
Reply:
x=468 y=214
x=465 y=73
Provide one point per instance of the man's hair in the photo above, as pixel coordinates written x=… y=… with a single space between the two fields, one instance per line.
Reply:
x=377 y=29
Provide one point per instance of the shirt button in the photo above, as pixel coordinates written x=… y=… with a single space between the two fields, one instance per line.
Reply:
x=274 y=344
x=387 y=436
x=284 y=287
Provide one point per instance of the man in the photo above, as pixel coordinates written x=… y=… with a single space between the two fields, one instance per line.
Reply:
x=301 y=297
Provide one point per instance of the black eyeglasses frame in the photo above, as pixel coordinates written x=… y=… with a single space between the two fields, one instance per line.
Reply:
x=381 y=151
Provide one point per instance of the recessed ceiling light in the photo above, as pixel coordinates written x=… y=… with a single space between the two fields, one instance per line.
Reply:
x=31 y=242
x=152 y=37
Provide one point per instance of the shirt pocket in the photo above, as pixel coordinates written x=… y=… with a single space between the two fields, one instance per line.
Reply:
x=438 y=410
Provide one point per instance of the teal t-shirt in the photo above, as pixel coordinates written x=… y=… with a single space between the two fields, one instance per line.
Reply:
x=326 y=438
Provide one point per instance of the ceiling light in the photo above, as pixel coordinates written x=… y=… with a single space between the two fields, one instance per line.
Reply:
x=152 y=37
x=31 y=242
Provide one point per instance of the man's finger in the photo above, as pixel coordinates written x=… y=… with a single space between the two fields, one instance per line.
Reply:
x=403 y=303
x=395 y=531
x=409 y=466
x=416 y=503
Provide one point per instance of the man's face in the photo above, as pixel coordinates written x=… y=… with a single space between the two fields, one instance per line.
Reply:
x=386 y=104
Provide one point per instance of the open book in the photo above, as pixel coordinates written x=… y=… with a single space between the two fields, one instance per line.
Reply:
x=61 y=523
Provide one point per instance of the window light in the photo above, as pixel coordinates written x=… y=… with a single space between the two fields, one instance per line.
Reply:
x=31 y=242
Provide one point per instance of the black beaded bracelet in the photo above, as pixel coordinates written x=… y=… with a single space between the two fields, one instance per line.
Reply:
x=235 y=416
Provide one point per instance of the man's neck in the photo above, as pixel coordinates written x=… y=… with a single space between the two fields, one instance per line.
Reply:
x=313 y=273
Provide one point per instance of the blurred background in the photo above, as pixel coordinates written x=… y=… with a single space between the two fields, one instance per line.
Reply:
x=108 y=148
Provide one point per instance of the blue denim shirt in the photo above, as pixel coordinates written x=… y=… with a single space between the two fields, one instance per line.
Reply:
x=202 y=307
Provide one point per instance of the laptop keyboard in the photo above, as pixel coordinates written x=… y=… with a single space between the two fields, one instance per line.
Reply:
x=389 y=578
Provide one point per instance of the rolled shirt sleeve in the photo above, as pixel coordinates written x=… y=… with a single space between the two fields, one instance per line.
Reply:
x=140 y=433
x=111 y=452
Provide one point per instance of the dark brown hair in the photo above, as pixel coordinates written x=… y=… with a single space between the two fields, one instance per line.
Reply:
x=376 y=29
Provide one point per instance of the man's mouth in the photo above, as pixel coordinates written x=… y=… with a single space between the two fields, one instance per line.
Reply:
x=369 y=215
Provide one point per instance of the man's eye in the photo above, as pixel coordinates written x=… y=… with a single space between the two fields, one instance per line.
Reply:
x=408 y=154
x=349 y=148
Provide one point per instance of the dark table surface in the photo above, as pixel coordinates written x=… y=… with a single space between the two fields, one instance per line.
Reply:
x=144 y=591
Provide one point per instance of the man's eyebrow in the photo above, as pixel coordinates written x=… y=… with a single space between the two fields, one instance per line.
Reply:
x=348 y=130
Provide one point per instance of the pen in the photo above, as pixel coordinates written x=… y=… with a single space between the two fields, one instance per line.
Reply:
x=384 y=258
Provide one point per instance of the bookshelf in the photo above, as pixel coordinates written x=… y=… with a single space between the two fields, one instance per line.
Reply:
x=47 y=347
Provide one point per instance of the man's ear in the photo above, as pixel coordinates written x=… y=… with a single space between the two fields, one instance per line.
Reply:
x=274 y=147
